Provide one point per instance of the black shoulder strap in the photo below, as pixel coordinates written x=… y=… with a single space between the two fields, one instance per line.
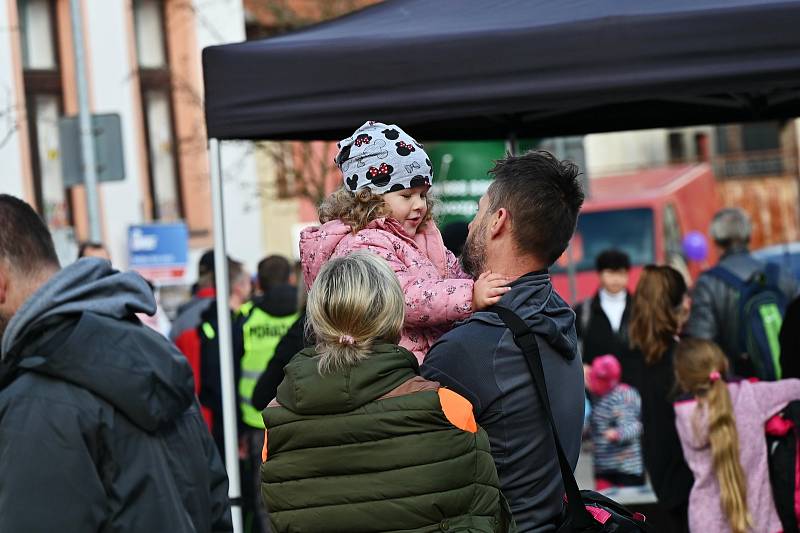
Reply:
x=526 y=340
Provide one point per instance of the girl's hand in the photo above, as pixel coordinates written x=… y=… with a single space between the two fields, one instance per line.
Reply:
x=612 y=435
x=488 y=290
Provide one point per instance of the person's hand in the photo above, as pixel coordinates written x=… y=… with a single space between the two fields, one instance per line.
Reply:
x=611 y=435
x=488 y=290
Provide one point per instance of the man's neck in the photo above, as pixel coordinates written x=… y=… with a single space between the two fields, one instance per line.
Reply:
x=514 y=267
x=32 y=283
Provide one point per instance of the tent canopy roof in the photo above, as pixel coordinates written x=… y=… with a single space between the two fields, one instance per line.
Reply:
x=473 y=69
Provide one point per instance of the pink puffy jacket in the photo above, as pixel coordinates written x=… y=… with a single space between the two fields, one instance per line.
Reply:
x=437 y=291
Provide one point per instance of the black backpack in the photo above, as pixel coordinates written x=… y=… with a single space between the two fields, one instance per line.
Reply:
x=587 y=510
x=783 y=438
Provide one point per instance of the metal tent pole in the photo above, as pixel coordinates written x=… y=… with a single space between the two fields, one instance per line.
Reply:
x=229 y=404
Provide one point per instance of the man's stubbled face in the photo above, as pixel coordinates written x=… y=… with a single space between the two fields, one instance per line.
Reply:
x=473 y=257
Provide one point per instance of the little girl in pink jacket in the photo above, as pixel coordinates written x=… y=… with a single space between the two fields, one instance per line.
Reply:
x=726 y=421
x=384 y=207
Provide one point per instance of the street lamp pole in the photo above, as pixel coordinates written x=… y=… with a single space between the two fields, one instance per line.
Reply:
x=85 y=123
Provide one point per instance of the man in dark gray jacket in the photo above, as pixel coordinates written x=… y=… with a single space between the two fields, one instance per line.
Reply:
x=715 y=304
x=99 y=426
x=524 y=223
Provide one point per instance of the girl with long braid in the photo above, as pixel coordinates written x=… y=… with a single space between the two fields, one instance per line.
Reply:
x=721 y=427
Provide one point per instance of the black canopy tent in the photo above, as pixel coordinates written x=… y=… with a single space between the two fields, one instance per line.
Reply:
x=477 y=69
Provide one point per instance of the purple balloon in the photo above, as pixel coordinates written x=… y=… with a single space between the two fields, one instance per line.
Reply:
x=695 y=246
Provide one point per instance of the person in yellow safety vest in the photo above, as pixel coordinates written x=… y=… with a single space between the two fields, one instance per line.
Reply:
x=204 y=349
x=265 y=320
x=265 y=323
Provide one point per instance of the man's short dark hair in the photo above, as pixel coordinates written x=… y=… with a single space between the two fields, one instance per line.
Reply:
x=89 y=245
x=273 y=270
x=543 y=196
x=25 y=241
x=612 y=260
x=206 y=263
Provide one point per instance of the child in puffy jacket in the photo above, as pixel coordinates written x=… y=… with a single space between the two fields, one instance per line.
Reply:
x=721 y=428
x=616 y=426
x=384 y=207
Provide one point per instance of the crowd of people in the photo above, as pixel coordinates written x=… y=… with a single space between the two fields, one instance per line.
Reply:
x=682 y=376
x=381 y=389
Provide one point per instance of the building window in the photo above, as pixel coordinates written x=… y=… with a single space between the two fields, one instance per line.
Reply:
x=749 y=150
x=156 y=89
x=36 y=27
x=161 y=151
x=44 y=99
x=149 y=23
x=677 y=147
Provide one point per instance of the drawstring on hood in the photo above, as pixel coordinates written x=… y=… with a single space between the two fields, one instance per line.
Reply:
x=89 y=284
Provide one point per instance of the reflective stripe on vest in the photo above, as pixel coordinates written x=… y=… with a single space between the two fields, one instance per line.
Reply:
x=246 y=308
x=208 y=331
x=262 y=333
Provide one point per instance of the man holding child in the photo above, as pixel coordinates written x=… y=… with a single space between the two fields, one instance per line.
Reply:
x=524 y=223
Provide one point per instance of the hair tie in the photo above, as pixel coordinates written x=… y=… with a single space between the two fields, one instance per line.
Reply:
x=347 y=339
x=714 y=376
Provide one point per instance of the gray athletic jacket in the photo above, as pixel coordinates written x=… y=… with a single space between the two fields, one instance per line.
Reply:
x=479 y=360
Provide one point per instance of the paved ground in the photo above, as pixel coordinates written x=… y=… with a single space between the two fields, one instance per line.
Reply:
x=626 y=496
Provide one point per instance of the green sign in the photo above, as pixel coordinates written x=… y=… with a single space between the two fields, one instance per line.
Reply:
x=460 y=175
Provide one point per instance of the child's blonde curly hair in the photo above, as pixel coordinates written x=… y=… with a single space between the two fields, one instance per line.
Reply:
x=358 y=209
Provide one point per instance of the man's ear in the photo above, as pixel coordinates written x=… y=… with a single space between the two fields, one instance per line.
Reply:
x=4 y=281
x=500 y=222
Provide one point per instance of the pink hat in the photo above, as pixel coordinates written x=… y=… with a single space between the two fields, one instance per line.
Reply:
x=604 y=374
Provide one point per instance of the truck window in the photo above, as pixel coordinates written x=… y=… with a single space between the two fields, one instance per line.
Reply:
x=628 y=230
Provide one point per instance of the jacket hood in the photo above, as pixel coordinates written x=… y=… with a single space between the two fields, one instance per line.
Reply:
x=89 y=284
x=317 y=245
x=533 y=298
x=80 y=328
x=305 y=391
x=280 y=300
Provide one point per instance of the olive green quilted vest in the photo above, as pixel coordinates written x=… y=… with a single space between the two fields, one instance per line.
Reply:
x=359 y=452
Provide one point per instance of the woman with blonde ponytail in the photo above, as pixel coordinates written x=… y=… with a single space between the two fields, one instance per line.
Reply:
x=731 y=491
x=356 y=439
